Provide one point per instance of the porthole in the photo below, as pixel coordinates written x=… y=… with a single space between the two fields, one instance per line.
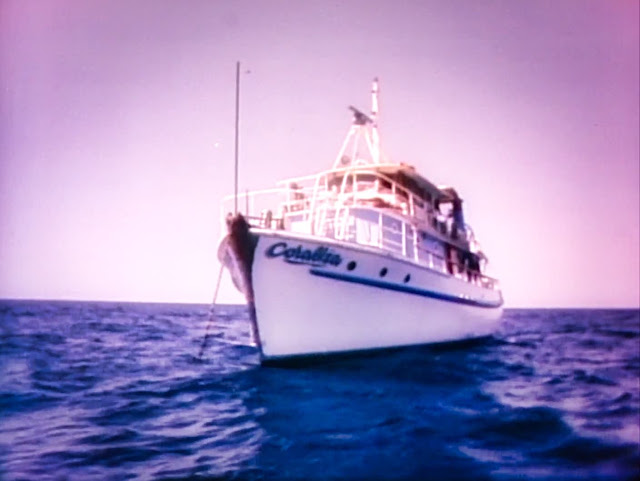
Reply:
x=351 y=266
x=407 y=278
x=383 y=272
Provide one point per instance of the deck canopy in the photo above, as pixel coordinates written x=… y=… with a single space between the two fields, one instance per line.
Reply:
x=407 y=176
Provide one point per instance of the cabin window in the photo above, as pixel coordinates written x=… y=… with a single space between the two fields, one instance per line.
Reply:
x=391 y=234
x=370 y=227
x=431 y=251
x=409 y=241
x=366 y=177
x=364 y=181
x=336 y=182
x=365 y=228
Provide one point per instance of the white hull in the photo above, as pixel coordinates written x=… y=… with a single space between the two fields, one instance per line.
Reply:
x=304 y=306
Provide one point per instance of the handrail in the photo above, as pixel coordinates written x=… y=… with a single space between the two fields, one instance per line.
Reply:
x=313 y=196
x=316 y=190
x=354 y=172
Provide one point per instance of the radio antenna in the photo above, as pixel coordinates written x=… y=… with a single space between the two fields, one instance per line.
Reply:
x=235 y=177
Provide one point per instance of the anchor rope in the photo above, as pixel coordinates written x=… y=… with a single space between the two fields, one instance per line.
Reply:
x=212 y=313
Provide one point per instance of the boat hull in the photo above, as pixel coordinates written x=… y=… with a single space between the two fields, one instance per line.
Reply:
x=315 y=296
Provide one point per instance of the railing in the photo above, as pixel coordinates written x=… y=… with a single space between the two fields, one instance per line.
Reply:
x=305 y=203
x=358 y=185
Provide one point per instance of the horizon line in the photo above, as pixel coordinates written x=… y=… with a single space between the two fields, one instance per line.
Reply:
x=194 y=303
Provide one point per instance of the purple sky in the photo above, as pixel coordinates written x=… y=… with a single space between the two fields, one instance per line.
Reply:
x=116 y=133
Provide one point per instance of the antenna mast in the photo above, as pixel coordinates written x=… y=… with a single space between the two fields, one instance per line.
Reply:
x=235 y=178
x=365 y=127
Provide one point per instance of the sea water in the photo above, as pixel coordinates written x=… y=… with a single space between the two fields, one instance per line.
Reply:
x=111 y=391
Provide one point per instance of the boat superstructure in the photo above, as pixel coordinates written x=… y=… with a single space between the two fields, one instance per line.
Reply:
x=368 y=254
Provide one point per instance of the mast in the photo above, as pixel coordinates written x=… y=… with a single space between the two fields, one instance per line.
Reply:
x=363 y=128
x=235 y=177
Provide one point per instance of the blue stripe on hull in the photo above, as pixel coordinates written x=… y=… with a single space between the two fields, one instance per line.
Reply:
x=404 y=288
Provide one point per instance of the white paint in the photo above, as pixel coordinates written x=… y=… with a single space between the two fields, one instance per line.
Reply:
x=301 y=313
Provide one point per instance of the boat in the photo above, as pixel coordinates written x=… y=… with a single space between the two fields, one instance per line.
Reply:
x=366 y=255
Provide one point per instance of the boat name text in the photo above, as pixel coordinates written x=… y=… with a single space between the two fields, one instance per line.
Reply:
x=298 y=255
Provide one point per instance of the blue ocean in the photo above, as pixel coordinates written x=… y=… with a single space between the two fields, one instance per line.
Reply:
x=112 y=391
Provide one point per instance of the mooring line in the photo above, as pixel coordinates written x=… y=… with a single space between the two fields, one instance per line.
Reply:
x=212 y=313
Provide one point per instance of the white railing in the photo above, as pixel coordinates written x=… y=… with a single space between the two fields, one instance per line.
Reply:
x=304 y=204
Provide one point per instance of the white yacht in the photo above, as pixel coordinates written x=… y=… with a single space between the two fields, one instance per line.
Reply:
x=366 y=255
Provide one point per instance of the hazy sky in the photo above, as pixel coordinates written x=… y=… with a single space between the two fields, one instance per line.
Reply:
x=116 y=133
